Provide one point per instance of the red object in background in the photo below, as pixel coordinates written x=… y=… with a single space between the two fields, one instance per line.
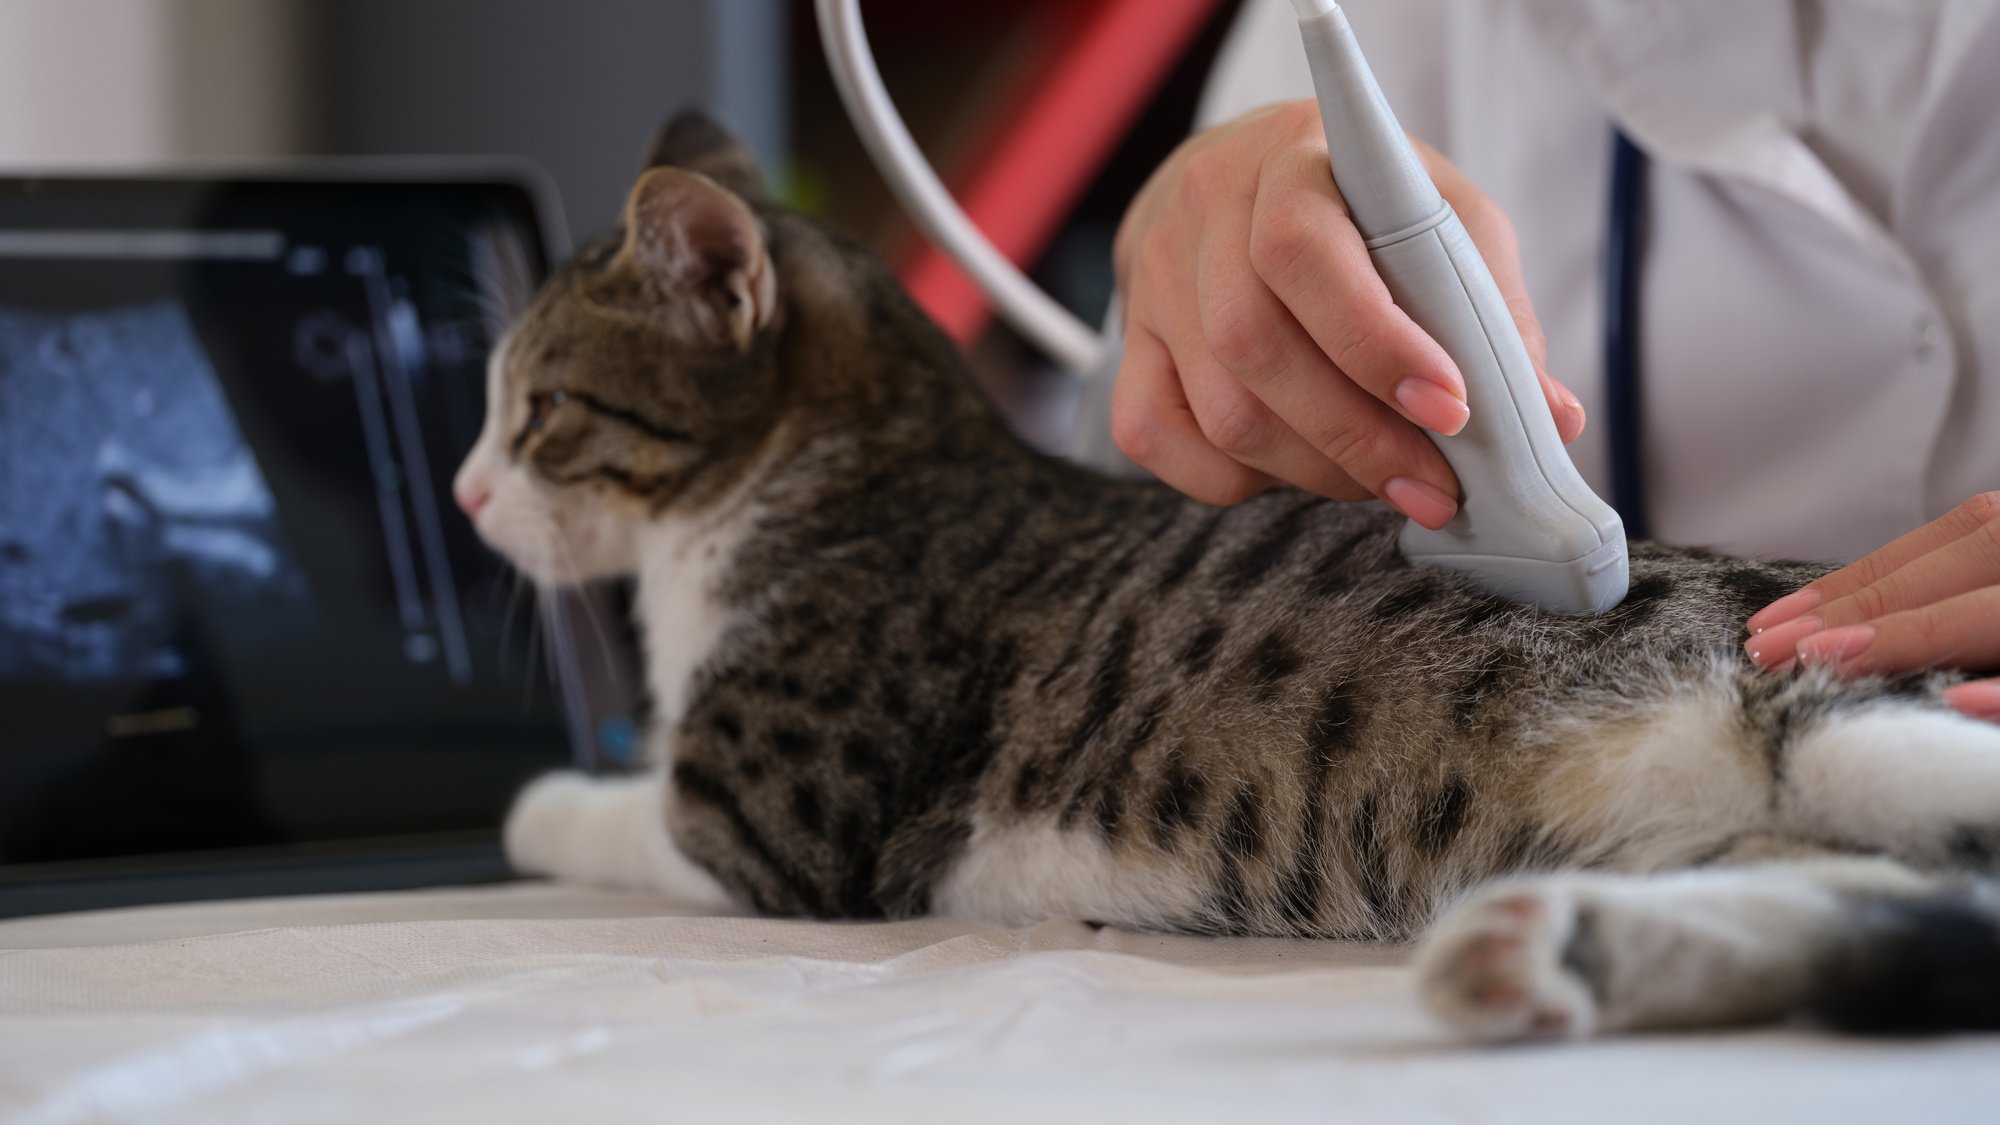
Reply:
x=1045 y=158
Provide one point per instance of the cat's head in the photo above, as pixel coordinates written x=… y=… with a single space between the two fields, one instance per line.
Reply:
x=641 y=381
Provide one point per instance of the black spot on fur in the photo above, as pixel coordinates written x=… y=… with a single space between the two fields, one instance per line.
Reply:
x=1176 y=803
x=807 y=809
x=1243 y=831
x=985 y=555
x=894 y=699
x=1752 y=588
x=792 y=743
x=860 y=856
x=1107 y=690
x=1241 y=842
x=1144 y=543
x=1148 y=725
x=1330 y=574
x=1299 y=896
x=1413 y=595
x=728 y=726
x=1644 y=598
x=1334 y=724
x=1269 y=665
x=946 y=651
x=1199 y=652
x=1329 y=734
x=859 y=756
x=1110 y=810
x=836 y=697
x=1914 y=685
x=1780 y=733
x=1030 y=782
x=1191 y=553
x=1484 y=683
x=1444 y=818
x=1063 y=583
x=1248 y=570
x=1371 y=863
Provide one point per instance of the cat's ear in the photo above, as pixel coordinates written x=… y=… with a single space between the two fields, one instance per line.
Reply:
x=702 y=246
x=693 y=140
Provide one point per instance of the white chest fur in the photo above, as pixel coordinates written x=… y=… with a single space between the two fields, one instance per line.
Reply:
x=682 y=565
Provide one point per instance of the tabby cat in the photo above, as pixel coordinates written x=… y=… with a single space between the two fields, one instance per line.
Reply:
x=902 y=663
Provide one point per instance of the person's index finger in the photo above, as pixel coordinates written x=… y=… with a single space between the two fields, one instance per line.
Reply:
x=1873 y=568
x=1307 y=250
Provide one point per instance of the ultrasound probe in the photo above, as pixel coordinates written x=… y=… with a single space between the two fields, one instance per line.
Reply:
x=1528 y=528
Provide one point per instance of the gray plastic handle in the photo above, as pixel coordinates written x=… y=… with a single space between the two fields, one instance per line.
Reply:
x=1528 y=527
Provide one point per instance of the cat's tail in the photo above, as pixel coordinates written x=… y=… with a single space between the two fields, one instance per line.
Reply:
x=609 y=831
x=1914 y=966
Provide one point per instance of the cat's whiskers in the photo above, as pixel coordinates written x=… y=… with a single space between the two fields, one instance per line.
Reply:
x=534 y=642
x=516 y=586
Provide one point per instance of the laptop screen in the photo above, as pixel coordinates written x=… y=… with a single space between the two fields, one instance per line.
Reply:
x=237 y=607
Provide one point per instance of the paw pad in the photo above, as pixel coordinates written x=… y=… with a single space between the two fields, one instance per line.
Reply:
x=1494 y=969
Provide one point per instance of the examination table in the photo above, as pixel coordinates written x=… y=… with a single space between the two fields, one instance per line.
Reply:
x=536 y=1003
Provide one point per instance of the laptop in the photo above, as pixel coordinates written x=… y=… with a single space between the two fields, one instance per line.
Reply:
x=247 y=643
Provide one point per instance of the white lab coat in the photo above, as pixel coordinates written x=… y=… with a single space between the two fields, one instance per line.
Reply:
x=1816 y=380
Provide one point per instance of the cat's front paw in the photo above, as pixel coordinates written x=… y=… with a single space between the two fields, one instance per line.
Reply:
x=544 y=820
x=1497 y=968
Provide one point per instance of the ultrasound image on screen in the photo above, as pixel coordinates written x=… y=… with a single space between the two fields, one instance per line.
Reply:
x=237 y=606
x=133 y=502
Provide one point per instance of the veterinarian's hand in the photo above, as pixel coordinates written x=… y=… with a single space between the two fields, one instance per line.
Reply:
x=1260 y=344
x=1929 y=600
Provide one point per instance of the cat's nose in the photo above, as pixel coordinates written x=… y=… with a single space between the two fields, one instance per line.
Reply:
x=471 y=496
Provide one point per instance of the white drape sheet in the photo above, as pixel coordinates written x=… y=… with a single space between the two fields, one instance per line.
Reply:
x=533 y=1003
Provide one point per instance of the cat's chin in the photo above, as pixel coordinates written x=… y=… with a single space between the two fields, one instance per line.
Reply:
x=556 y=574
x=553 y=560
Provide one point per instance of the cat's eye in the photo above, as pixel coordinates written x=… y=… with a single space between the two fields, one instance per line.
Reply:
x=541 y=405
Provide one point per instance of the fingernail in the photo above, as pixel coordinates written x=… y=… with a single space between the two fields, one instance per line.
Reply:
x=1574 y=419
x=1783 y=610
x=1836 y=646
x=1419 y=501
x=1776 y=647
x=1576 y=412
x=1432 y=406
x=1980 y=700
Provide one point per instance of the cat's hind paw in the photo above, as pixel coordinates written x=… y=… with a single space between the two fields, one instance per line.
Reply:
x=1499 y=967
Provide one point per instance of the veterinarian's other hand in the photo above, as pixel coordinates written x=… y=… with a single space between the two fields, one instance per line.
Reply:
x=1260 y=344
x=1929 y=600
